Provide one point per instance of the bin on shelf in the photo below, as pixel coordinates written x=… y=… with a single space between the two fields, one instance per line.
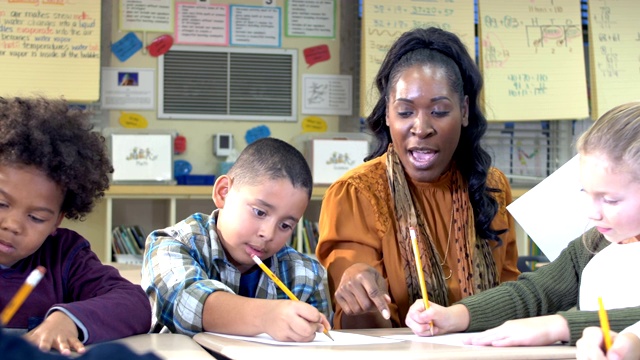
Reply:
x=195 y=179
x=330 y=155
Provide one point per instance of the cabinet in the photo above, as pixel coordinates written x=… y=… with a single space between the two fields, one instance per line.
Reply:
x=152 y=207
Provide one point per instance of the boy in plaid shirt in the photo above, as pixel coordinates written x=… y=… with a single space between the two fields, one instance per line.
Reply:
x=199 y=273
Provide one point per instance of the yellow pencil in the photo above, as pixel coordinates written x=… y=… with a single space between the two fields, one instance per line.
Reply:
x=14 y=304
x=604 y=324
x=423 y=284
x=281 y=285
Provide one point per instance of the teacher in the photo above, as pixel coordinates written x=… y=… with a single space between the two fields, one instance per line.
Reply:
x=428 y=171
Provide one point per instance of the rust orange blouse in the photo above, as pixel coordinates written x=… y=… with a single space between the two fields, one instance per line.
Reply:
x=357 y=225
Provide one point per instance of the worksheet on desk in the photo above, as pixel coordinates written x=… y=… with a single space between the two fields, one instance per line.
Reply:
x=456 y=339
x=340 y=338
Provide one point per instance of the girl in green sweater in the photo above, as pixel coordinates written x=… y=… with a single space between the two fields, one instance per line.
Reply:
x=537 y=309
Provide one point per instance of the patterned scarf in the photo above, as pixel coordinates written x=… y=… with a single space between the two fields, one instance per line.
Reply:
x=476 y=267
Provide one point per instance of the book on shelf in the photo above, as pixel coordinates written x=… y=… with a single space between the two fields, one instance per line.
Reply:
x=305 y=237
x=311 y=230
x=128 y=244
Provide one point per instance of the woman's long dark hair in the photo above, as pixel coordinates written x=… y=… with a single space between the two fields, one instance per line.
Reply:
x=433 y=46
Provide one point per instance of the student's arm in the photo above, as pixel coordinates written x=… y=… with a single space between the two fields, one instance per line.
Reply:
x=178 y=275
x=104 y=305
x=552 y=288
x=619 y=319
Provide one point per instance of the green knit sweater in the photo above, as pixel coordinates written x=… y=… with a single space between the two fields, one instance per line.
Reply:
x=552 y=289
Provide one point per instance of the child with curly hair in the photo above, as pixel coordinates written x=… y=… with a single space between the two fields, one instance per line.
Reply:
x=53 y=166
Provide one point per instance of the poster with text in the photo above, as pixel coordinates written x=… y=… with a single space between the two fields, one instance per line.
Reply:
x=256 y=26
x=202 y=24
x=311 y=18
x=146 y=15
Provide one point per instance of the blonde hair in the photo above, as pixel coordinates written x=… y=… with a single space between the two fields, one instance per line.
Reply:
x=616 y=135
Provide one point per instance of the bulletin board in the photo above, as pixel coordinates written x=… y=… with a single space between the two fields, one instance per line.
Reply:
x=614 y=54
x=51 y=49
x=383 y=21
x=532 y=60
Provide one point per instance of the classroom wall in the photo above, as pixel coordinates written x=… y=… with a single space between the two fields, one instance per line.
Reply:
x=199 y=132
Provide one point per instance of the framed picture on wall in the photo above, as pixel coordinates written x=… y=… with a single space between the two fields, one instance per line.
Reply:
x=142 y=157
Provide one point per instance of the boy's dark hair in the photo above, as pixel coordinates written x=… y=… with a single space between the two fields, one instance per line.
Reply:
x=47 y=135
x=271 y=158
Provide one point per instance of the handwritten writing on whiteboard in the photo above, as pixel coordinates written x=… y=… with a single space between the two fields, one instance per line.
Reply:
x=51 y=48
x=202 y=24
x=614 y=53
x=384 y=21
x=532 y=60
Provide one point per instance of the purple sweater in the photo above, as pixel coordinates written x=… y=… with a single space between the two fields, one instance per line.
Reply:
x=107 y=305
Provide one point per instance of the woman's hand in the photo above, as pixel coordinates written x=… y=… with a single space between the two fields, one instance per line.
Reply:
x=58 y=332
x=361 y=290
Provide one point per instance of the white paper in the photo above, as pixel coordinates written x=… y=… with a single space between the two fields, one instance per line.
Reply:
x=340 y=338
x=447 y=339
x=553 y=212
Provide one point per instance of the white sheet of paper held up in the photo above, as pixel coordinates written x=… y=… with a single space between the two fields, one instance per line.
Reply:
x=554 y=212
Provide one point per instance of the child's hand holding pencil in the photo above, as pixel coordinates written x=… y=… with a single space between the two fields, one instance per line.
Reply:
x=426 y=319
x=304 y=310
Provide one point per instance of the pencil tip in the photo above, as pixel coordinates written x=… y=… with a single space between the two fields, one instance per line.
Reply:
x=326 y=332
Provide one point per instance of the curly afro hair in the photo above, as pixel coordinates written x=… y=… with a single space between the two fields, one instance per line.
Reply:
x=47 y=135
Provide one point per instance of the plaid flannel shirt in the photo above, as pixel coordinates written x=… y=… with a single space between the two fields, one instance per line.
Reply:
x=185 y=263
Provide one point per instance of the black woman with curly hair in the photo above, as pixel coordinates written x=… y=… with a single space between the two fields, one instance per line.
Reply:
x=427 y=171
x=53 y=166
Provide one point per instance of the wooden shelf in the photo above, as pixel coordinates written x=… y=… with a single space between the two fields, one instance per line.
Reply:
x=164 y=203
x=143 y=191
x=158 y=190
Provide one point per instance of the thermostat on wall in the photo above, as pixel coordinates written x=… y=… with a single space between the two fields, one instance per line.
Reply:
x=222 y=144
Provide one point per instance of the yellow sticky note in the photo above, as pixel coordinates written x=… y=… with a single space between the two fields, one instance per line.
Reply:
x=314 y=124
x=133 y=121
